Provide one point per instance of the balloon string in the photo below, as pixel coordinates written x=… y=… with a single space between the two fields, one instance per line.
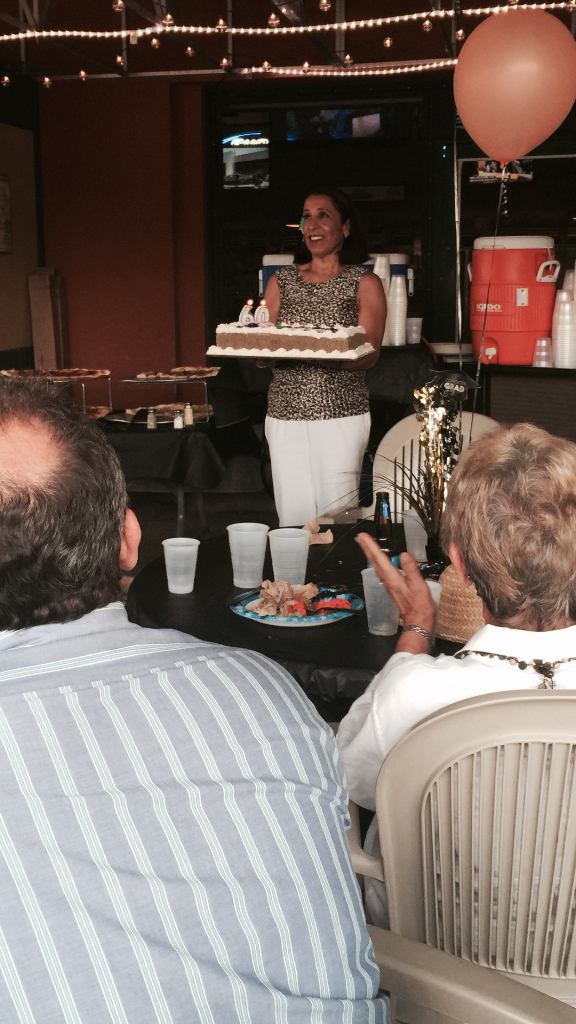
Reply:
x=483 y=334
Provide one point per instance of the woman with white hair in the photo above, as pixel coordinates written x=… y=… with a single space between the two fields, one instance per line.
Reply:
x=510 y=528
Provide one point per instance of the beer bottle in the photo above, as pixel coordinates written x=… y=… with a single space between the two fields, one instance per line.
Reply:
x=383 y=526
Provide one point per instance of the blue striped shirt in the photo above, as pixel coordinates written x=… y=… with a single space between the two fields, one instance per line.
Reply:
x=172 y=837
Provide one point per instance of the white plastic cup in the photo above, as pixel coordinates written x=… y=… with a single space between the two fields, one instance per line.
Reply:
x=180 y=554
x=289 y=549
x=415 y=534
x=435 y=589
x=413 y=330
x=543 y=353
x=247 y=548
x=381 y=611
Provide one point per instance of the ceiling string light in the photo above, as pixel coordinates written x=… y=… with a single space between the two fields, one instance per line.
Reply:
x=46 y=82
x=167 y=20
x=5 y=80
x=155 y=42
x=273 y=20
x=342 y=26
x=348 y=59
x=387 y=42
x=83 y=75
x=118 y=6
x=190 y=51
x=358 y=72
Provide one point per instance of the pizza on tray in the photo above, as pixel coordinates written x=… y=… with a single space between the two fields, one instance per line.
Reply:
x=190 y=372
x=63 y=374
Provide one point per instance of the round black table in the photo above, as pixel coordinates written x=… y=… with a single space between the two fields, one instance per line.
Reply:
x=332 y=662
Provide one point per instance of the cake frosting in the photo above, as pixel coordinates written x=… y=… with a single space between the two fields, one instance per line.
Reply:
x=294 y=341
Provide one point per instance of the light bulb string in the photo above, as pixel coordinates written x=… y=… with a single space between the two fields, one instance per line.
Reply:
x=283 y=30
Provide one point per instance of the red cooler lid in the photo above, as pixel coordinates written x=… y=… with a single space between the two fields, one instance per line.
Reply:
x=515 y=242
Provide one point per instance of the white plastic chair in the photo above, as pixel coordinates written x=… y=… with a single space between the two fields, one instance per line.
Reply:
x=476 y=812
x=400 y=453
x=430 y=987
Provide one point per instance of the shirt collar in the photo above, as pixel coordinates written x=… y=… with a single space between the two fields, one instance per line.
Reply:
x=109 y=616
x=525 y=644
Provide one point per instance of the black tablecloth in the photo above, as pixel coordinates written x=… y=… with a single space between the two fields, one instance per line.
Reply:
x=187 y=457
x=332 y=662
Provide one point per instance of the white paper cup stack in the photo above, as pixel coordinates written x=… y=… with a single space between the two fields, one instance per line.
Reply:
x=564 y=331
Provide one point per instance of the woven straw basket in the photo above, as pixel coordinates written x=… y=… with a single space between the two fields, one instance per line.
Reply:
x=460 y=612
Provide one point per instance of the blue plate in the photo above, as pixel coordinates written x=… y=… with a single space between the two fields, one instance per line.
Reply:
x=356 y=605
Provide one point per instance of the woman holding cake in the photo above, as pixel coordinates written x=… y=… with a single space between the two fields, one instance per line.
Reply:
x=318 y=419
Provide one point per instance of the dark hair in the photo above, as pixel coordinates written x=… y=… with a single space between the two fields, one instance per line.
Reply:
x=354 y=247
x=59 y=538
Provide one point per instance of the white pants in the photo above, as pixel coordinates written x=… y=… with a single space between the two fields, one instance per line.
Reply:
x=316 y=465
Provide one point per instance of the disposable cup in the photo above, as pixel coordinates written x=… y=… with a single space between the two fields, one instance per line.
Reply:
x=180 y=554
x=543 y=353
x=415 y=535
x=381 y=611
x=436 y=591
x=247 y=548
x=289 y=549
x=413 y=330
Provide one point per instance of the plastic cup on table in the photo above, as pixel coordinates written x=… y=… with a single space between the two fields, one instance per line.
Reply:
x=435 y=589
x=289 y=549
x=413 y=330
x=415 y=534
x=180 y=554
x=247 y=548
x=381 y=611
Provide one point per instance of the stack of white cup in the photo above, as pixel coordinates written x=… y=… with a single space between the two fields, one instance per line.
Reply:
x=564 y=331
x=397 y=308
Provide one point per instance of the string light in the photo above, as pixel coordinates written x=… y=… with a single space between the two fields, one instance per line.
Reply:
x=360 y=72
x=83 y=75
x=342 y=26
x=306 y=67
x=190 y=51
x=118 y=6
x=325 y=5
x=348 y=59
x=5 y=80
x=266 y=65
x=120 y=61
x=460 y=35
x=47 y=82
x=155 y=42
x=387 y=42
x=427 y=25
x=224 y=63
x=168 y=20
x=273 y=20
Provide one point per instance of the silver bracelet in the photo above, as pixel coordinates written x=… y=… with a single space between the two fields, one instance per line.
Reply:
x=418 y=629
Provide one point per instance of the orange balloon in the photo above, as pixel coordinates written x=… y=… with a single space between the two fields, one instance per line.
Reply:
x=515 y=82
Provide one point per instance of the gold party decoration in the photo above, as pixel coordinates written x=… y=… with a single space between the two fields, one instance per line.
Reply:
x=155 y=42
x=168 y=20
x=221 y=25
x=120 y=61
x=460 y=35
x=224 y=63
x=46 y=82
x=273 y=20
x=387 y=42
x=348 y=59
x=190 y=51
x=83 y=75
x=427 y=25
x=5 y=80
x=325 y=5
x=266 y=65
x=306 y=67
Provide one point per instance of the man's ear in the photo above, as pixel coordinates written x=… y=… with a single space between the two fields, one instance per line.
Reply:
x=458 y=563
x=131 y=534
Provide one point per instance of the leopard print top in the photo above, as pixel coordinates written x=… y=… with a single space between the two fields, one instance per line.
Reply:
x=309 y=391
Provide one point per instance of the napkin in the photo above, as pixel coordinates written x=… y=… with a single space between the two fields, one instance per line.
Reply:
x=316 y=536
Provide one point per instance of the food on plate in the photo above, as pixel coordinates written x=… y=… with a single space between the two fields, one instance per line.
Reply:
x=292 y=600
x=96 y=412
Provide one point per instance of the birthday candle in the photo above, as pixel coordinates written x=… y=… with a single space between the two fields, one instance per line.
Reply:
x=246 y=316
x=262 y=314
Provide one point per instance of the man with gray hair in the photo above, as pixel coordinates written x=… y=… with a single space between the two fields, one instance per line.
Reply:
x=172 y=813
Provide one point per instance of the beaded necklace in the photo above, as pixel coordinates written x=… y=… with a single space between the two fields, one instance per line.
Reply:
x=545 y=669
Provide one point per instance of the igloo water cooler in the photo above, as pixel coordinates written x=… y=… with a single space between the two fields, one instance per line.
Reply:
x=515 y=276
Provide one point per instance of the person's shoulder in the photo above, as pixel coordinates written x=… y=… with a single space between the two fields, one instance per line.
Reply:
x=287 y=273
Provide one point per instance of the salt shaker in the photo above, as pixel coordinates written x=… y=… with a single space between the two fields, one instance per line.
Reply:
x=188 y=415
x=178 y=420
x=151 y=421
